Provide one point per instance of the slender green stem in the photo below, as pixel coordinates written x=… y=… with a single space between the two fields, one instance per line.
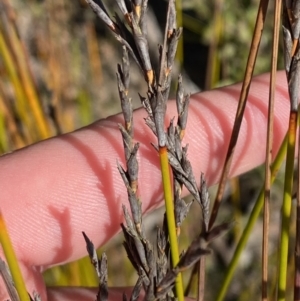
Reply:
x=297 y=243
x=12 y=261
x=29 y=89
x=11 y=70
x=165 y=170
x=286 y=207
x=250 y=224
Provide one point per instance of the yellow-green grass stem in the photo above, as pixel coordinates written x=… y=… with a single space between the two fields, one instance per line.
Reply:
x=286 y=207
x=168 y=195
x=250 y=224
x=12 y=261
x=18 y=89
x=28 y=86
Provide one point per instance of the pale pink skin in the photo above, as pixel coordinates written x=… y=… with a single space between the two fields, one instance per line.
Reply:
x=55 y=189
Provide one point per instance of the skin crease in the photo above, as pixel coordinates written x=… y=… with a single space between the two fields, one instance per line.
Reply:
x=55 y=189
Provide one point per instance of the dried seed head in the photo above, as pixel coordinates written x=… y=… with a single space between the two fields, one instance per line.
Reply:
x=204 y=201
x=125 y=68
x=7 y=279
x=190 y=181
x=178 y=148
x=150 y=123
x=182 y=118
x=92 y=254
x=143 y=23
x=101 y=12
x=141 y=253
x=181 y=210
x=143 y=50
x=103 y=289
x=192 y=255
x=103 y=268
x=127 y=43
x=128 y=219
x=123 y=174
x=291 y=31
x=172 y=25
x=147 y=106
x=129 y=247
x=294 y=82
x=176 y=165
x=126 y=106
x=171 y=137
x=159 y=106
x=295 y=25
x=162 y=260
x=172 y=47
x=123 y=9
x=137 y=10
x=135 y=249
x=136 y=290
x=133 y=168
x=166 y=284
x=217 y=231
x=136 y=210
x=127 y=142
x=189 y=186
x=179 y=95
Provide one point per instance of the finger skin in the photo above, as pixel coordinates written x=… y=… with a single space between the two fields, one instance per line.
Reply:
x=55 y=189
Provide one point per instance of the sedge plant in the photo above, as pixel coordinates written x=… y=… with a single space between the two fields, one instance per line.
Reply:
x=155 y=273
x=169 y=150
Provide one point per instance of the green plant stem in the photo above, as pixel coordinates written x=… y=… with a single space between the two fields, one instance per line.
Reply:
x=250 y=224
x=297 y=243
x=165 y=170
x=14 y=78
x=286 y=207
x=12 y=261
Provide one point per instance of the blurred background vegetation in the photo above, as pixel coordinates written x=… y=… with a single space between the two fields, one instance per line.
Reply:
x=57 y=73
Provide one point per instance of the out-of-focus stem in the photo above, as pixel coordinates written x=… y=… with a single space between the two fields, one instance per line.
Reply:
x=297 y=244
